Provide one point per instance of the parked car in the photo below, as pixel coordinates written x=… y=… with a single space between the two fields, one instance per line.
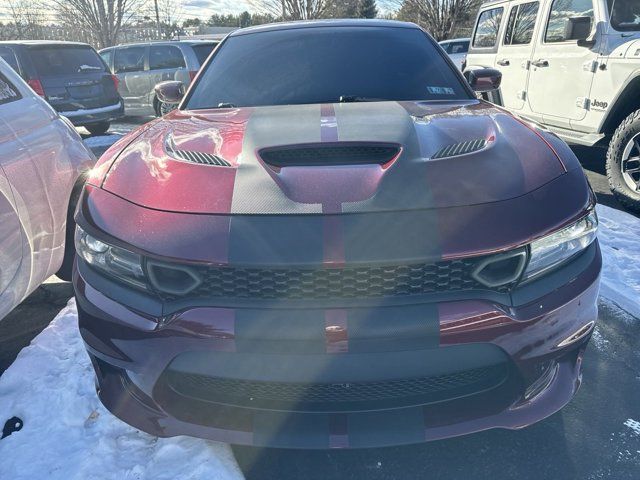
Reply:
x=457 y=49
x=140 y=66
x=42 y=167
x=574 y=67
x=71 y=77
x=333 y=243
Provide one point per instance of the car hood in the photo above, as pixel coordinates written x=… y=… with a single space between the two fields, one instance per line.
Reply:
x=332 y=158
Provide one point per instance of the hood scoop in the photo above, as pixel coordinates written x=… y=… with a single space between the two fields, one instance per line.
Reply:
x=193 y=156
x=330 y=154
x=461 y=148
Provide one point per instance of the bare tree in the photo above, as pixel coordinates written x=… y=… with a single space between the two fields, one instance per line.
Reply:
x=439 y=17
x=27 y=18
x=291 y=9
x=102 y=19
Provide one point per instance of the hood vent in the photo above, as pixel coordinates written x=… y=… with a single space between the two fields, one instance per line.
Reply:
x=201 y=158
x=461 y=148
x=329 y=154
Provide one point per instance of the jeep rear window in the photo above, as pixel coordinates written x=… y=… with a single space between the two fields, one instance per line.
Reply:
x=321 y=64
x=65 y=60
x=625 y=14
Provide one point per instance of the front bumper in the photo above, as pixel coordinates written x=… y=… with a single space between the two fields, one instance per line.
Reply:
x=95 y=115
x=165 y=374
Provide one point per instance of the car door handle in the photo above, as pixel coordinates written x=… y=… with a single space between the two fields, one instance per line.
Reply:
x=540 y=63
x=504 y=62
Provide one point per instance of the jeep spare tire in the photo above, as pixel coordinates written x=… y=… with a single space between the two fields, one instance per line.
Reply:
x=623 y=162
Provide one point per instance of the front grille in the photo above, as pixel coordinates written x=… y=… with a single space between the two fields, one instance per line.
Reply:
x=347 y=282
x=341 y=153
x=336 y=396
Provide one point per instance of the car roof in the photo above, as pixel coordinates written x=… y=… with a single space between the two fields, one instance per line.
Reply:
x=270 y=27
x=43 y=43
x=451 y=40
x=165 y=42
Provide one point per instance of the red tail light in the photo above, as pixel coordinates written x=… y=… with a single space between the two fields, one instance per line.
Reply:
x=35 y=84
x=116 y=82
x=192 y=74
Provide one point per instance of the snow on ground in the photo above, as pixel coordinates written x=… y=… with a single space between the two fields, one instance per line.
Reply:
x=69 y=435
x=619 y=237
x=102 y=140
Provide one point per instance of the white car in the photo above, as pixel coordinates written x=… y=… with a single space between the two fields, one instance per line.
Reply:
x=457 y=49
x=574 y=67
x=43 y=163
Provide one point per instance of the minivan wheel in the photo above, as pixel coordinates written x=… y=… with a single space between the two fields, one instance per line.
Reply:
x=66 y=269
x=623 y=162
x=98 y=128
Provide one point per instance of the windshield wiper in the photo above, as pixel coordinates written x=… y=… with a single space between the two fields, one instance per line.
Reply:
x=82 y=68
x=226 y=105
x=355 y=98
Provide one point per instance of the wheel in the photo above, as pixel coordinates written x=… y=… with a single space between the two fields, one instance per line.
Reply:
x=623 y=162
x=66 y=269
x=167 y=107
x=99 y=128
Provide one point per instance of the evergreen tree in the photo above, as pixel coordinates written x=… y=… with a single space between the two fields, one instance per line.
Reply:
x=367 y=9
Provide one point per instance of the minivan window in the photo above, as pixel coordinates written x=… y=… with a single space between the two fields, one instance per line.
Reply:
x=64 y=60
x=129 y=59
x=165 y=56
x=625 y=14
x=522 y=21
x=9 y=56
x=203 y=51
x=458 y=47
x=486 y=34
x=320 y=65
x=561 y=12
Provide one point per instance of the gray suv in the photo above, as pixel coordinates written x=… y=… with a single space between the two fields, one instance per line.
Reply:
x=140 y=66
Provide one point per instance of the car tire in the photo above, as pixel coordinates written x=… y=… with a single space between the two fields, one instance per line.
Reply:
x=623 y=156
x=66 y=269
x=99 y=128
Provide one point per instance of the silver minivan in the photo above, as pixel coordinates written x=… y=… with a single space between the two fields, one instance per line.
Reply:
x=140 y=66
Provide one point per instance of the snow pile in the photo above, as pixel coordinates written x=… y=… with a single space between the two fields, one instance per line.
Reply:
x=619 y=237
x=68 y=434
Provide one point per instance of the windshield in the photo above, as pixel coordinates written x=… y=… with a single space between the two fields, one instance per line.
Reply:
x=625 y=14
x=321 y=65
x=58 y=60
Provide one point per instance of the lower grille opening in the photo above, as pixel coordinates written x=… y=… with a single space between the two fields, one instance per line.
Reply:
x=325 y=397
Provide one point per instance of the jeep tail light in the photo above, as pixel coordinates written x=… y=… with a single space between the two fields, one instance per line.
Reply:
x=36 y=86
x=116 y=82
x=192 y=74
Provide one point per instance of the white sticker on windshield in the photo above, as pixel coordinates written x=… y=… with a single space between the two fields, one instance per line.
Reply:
x=440 y=90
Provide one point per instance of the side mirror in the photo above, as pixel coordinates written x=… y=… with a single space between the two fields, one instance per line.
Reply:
x=483 y=79
x=577 y=28
x=170 y=92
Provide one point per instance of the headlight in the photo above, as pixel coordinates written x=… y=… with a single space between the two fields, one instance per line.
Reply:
x=113 y=261
x=550 y=251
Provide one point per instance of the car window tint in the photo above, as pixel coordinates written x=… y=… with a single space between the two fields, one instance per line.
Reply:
x=487 y=28
x=162 y=56
x=8 y=91
x=203 y=51
x=522 y=21
x=561 y=12
x=129 y=59
x=319 y=65
x=107 y=55
x=9 y=56
x=65 y=60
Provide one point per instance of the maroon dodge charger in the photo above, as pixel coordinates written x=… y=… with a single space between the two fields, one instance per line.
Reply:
x=333 y=243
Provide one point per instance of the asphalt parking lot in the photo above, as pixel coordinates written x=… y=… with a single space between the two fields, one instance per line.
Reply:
x=596 y=436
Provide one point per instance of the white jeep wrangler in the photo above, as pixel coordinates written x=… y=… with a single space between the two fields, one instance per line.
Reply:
x=574 y=67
